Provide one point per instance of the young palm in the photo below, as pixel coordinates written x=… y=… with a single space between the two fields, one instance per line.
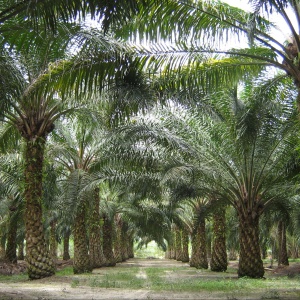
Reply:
x=78 y=146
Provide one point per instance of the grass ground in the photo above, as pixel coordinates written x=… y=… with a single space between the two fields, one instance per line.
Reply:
x=155 y=279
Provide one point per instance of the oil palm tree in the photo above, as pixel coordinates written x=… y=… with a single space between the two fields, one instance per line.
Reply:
x=76 y=149
x=245 y=168
x=240 y=152
x=34 y=112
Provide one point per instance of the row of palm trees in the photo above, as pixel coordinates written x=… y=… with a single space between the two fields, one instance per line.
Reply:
x=213 y=146
x=198 y=170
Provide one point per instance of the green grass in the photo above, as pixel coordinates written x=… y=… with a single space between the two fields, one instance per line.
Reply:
x=296 y=260
x=14 y=278
x=65 y=271
x=177 y=279
x=186 y=280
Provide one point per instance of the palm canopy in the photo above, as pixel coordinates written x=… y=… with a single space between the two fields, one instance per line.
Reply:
x=190 y=41
x=48 y=14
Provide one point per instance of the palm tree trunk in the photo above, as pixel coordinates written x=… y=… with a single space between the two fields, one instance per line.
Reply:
x=53 y=241
x=203 y=254
x=282 y=249
x=199 y=254
x=2 y=245
x=95 y=245
x=11 y=246
x=118 y=239
x=66 y=254
x=130 y=247
x=195 y=248
x=250 y=262
x=218 y=261
x=39 y=262
x=178 y=247
x=108 y=242
x=21 y=250
x=125 y=240
x=81 y=262
x=185 y=245
x=173 y=244
x=209 y=245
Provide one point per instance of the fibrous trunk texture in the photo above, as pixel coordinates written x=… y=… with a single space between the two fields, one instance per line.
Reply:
x=250 y=262
x=39 y=262
x=53 y=242
x=195 y=248
x=178 y=246
x=203 y=254
x=124 y=243
x=185 y=245
x=218 y=261
x=2 y=246
x=130 y=247
x=95 y=245
x=66 y=254
x=173 y=244
x=81 y=263
x=11 y=246
x=108 y=242
x=282 y=248
x=118 y=239
x=21 y=250
x=199 y=254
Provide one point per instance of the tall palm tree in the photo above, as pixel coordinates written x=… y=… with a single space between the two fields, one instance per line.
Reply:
x=37 y=105
x=240 y=152
x=249 y=175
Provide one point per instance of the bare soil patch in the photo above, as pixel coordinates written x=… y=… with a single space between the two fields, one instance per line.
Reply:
x=62 y=287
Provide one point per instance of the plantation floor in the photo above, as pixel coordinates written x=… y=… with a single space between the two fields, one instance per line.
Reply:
x=154 y=279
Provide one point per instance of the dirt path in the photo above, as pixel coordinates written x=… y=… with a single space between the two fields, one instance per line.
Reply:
x=60 y=287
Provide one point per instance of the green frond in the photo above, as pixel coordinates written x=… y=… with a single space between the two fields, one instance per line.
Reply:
x=216 y=18
x=195 y=69
x=47 y=14
x=12 y=81
x=11 y=174
x=10 y=138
